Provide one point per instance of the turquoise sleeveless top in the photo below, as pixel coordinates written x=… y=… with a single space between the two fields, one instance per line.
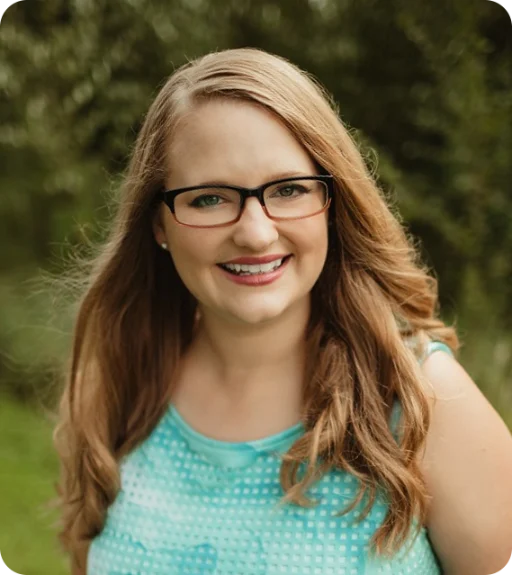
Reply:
x=192 y=505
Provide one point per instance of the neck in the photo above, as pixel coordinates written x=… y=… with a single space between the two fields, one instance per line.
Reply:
x=251 y=363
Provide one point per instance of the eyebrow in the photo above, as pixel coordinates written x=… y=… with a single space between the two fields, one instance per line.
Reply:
x=271 y=178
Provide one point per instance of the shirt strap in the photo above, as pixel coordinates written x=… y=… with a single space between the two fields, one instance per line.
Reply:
x=396 y=410
x=433 y=346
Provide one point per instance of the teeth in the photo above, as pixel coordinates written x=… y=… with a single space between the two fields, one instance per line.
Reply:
x=258 y=269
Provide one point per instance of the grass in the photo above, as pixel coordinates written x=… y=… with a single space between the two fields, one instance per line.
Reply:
x=28 y=472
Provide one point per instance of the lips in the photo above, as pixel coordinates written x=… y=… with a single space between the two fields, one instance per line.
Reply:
x=248 y=260
x=258 y=279
x=284 y=260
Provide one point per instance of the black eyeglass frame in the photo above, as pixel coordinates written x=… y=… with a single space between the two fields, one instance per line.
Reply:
x=168 y=197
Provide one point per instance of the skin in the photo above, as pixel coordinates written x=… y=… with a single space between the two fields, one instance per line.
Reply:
x=246 y=362
x=467 y=466
x=250 y=345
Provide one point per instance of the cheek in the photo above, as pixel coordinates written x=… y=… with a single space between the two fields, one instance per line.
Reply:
x=192 y=252
x=189 y=266
x=188 y=259
x=316 y=250
x=311 y=244
x=313 y=240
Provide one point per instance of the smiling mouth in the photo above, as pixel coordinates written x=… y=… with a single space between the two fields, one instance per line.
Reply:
x=255 y=271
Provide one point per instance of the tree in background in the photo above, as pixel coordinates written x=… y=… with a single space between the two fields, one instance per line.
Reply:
x=426 y=88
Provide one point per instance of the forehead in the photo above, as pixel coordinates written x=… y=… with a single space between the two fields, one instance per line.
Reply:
x=233 y=141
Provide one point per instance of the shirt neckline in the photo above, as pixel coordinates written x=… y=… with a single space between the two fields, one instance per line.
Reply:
x=233 y=454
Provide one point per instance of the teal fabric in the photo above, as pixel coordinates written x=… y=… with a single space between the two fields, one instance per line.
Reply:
x=431 y=347
x=436 y=346
x=192 y=505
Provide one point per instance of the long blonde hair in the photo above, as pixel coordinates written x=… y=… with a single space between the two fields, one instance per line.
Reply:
x=135 y=318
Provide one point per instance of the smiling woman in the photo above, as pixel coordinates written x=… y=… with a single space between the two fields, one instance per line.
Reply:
x=259 y=381
x=242 y=143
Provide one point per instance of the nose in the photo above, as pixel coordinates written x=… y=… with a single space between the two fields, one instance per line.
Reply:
x=255 y=229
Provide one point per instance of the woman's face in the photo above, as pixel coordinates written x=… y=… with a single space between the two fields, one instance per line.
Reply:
x=241 y=144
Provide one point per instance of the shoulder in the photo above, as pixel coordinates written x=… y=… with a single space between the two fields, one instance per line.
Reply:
x=467 y=465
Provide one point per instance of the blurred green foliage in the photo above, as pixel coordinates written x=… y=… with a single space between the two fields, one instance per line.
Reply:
x=425 y=89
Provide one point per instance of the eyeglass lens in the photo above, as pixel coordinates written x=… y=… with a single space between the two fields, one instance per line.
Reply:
x=212 y=206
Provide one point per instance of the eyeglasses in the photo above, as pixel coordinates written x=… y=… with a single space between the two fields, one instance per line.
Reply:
x=220 y=205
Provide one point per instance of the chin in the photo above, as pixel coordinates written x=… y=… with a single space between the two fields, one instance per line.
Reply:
x=257 y=314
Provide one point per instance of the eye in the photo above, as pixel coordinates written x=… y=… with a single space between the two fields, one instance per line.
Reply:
x=205 y=201
x=287 y=190
x=208 y=198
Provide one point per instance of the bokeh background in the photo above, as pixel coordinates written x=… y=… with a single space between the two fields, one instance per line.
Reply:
x=425 y=87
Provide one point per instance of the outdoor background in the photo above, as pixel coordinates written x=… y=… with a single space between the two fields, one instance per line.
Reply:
x=426 y=88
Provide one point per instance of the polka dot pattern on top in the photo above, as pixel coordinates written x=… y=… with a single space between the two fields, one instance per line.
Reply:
x=192 y=505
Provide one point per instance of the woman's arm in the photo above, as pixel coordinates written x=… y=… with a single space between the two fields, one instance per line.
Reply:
x=468 y=470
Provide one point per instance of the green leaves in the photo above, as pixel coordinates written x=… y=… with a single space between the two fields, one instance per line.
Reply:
x=426 y=85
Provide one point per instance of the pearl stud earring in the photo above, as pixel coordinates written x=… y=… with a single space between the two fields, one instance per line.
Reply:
x=164 y=245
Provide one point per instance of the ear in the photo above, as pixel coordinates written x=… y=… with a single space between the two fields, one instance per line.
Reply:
x=158 y=226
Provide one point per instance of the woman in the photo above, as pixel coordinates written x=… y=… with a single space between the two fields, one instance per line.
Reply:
x=254 y=374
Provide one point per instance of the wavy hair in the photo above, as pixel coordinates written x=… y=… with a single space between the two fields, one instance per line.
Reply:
x=135 y=318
